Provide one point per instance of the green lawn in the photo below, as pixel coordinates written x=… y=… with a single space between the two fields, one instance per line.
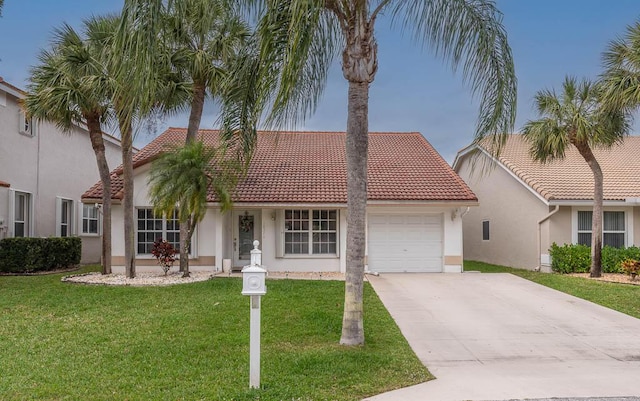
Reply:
x=624 y=298
x=60 y=341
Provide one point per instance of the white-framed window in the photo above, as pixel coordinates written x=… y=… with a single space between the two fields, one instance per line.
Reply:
x=613 y=228
x=90 y=219
x=22 y=214
x=151 y=227
x=64 y=217
x=485 y=230
x=26 y=124
x=310 y=232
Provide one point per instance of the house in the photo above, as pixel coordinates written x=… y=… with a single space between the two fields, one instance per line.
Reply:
x=43 y=173
x=526 y=206
x=294 y=201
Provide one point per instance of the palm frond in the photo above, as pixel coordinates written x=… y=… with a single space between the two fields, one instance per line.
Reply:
x=576 y=116
x=469 y=34
x=621 y=78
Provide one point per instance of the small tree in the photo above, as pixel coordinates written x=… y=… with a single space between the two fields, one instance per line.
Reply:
x=577 y=118
x=164 y=253
x=180 y=180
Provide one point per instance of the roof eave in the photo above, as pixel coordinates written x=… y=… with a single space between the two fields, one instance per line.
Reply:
x=589 y=202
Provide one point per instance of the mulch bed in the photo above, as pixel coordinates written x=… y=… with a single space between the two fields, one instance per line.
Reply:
x=610 y=278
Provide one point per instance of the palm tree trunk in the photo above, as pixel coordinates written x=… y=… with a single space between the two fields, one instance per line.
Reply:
x=197 y=105
x=596 y=219
x=127 y=202
x=195 y=117
x=357 y=145
x=184 y=249
x=185 y=245
x=191 y=226
x=359 y=65
x=97 y=142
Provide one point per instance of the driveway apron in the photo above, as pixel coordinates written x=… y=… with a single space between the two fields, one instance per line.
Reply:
x=500 y=337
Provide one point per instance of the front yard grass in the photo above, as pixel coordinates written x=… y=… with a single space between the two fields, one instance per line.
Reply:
x=621 y=297
x=60 y=341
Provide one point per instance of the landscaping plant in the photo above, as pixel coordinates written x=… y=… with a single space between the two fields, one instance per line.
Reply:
x=631 y=267
x=164 y=253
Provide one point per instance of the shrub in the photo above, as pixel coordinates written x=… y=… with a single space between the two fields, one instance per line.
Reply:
x=165 y=253
x=28 y=255
x=570 y=258
x=631 y=267
x=612 y=258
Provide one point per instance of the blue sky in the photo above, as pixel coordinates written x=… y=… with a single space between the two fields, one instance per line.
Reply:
x=413 y=91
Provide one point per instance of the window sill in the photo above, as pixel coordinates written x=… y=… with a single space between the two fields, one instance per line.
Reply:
x=28 y=135
x=87 y=235
x=151 y=257
x=307 y=256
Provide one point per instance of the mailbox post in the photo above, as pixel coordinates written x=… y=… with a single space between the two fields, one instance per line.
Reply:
x=253 y=284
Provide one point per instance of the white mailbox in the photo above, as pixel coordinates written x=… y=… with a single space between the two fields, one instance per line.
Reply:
x=253 y=281
x=253 y=284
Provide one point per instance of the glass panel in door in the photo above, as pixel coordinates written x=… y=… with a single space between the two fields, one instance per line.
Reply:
x=246 y=225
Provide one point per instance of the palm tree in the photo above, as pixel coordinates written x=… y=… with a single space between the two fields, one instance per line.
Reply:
x=621 y=79
x=132 y=102
x=66 y=88
x=101 y=32
x=180 y=179
x=297 y=42
x=203 y=38
x=577 y=118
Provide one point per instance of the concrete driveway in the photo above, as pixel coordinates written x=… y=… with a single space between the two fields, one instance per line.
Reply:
x=500 y=337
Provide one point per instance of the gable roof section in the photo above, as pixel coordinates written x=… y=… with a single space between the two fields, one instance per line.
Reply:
x=310 y=167
x=571 y=179
x=12 y=90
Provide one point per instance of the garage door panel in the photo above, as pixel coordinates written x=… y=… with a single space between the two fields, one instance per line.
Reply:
x=405 y=243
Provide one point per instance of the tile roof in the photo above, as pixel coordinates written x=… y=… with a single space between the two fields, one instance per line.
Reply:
x=4 y=184
x=15 y=88
x=310 y=167
x=571 y=178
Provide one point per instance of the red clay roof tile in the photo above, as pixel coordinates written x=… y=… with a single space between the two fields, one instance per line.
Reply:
x=310 y=167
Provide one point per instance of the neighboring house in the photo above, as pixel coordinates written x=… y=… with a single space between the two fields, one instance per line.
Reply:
x=294 y=201
x=526 y=206
x=43 y=173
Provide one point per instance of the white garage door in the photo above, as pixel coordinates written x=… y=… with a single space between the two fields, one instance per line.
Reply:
x=405 y=243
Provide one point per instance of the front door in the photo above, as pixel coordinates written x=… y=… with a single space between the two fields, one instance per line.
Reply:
x=246 y=230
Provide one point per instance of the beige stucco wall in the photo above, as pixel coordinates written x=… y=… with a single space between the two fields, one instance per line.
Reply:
x=560 y=229
x=513 y=213
x=48 y=165
x=636 y=225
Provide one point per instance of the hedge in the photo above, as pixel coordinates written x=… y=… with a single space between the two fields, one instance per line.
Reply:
x=577 y=258
x=28 y=255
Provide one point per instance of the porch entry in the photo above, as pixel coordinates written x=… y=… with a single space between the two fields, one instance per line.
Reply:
x=247 y=227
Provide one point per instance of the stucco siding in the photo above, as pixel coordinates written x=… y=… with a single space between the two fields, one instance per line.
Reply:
x=48 y=165
x=512 y=211
x=214 y=238
x=636 y=225
x=560 y=229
